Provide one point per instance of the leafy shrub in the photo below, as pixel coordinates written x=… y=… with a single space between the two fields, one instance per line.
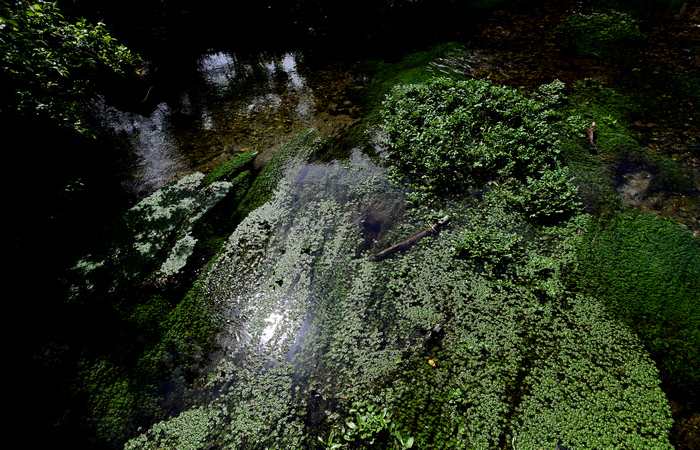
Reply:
x=494 y=241
x=49 y=65
x=606 y=35
x=446 y=136
x=550 y=197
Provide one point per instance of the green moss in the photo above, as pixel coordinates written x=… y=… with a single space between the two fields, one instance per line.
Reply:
x=302 y=145
x=647 y=271
x=231 y=169
x=617 y=147
x=611 y=108
x=146 y=325
x=413 y=68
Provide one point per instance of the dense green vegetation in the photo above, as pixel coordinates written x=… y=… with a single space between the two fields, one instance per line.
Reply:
x=523 y=321
x=449 y=136
x=240 y=309
x=647 y=271
x=49 y=65
x=482 y=327
x=642 y=267
x=515 y=354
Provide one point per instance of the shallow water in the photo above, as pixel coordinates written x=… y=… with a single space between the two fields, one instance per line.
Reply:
x=226 y=105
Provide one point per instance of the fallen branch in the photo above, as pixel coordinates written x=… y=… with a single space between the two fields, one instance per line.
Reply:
x=147 y=94
x=412 y=240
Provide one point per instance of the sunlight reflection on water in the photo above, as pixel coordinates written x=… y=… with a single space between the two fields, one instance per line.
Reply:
x=225 y=106
x=273 y=320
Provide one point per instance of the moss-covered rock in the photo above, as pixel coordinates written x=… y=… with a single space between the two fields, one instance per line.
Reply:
x=647 y=272
x=229 y=170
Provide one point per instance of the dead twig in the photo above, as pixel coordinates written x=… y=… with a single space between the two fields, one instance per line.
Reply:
x=591 y=137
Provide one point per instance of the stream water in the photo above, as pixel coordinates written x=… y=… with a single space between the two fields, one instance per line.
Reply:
x=224 y=105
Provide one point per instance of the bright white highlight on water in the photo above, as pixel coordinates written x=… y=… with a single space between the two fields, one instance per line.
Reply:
x=274 y=320
x=217 y=68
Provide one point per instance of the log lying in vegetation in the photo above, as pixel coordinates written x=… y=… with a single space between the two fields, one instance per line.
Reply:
x=410 y=241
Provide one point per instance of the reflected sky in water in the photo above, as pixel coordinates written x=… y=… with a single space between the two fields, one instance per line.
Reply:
x=228 y=105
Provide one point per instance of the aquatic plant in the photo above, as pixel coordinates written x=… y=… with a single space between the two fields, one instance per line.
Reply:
x=214 y=227
x=143 y=253
x=467 y=340
x=499 y=336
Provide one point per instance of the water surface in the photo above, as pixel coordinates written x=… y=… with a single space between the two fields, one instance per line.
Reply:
x=228 y=104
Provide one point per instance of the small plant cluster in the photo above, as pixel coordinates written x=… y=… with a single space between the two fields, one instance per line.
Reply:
x=450 y=136
x=368 y=428
x=605 y=35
